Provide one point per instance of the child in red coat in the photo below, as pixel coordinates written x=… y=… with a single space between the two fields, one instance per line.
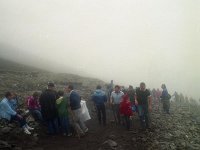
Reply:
x=125 y=110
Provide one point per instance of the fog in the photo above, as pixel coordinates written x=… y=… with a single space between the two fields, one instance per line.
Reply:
x=129 y=41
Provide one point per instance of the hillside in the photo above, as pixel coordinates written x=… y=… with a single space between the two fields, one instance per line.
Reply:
x=26 y=79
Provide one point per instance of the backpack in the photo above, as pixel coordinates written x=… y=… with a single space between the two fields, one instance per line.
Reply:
x=168 y=96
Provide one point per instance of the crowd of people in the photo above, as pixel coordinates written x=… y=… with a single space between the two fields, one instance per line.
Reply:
x=61 y=111
x=126 y=103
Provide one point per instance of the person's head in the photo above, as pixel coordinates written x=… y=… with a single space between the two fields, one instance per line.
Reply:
x=51 y=86
x=130 y=87
x=9 y=95
x=117 y=88
x=125 y=97
x=142 y=86
x=98 y=87
x=163 y=86
x=125 y=91
x=69 y=88
x=60 y=93
x=35 y=95
x=14 y=95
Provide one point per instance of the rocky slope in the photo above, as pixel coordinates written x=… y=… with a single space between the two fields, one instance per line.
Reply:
x=179 y=130
x=25 y=79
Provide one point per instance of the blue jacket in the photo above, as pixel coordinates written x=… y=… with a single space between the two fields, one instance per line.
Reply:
x=75 y=100
x=13 y=104
x=99 y=97
x=5 y=110
x=164 y=94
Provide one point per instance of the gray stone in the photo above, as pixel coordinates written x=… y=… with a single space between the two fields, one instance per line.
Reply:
x=11 y=125
x=111 y=143
x=6 y=130
x=17 y=148
x=4 y=144
x=112 y=137
x=134 y=139
x=35 y=135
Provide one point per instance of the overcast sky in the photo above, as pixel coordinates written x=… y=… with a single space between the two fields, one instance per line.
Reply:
x=129 y=41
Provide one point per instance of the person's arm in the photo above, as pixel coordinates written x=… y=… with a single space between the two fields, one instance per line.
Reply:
x=111 y=99
x=105 y=99
x=135 y=96
x=9 y=110
x=122 y=93
x=30 y=104
x=38 y=104
x=40 y=100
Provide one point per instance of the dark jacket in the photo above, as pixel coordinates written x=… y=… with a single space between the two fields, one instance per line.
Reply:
x=75 y=100
x=165 y=95
x=99 y=97
x=48 y=104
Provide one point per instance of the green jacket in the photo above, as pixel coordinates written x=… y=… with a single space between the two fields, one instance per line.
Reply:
x=62 y=107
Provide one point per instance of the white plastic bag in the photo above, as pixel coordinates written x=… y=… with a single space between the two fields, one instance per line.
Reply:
x=84 y=111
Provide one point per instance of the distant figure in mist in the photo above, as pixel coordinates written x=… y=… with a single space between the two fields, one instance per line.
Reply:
x=153 y=92
x=165 y=99
x=157 y=101
x=109 y=88
x=176 y=98
x=182 y=98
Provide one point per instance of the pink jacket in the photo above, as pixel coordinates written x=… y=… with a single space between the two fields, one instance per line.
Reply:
x=32 y=103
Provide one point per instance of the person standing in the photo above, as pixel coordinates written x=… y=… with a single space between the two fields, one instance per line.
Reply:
x=158 y=94
x=48 y=108
x=165 y=98
x=126 y=110
x=144 y=101
x=99 y=97
x=116 y=98
x=62 y=107
x=131 y=94
x=75 y=105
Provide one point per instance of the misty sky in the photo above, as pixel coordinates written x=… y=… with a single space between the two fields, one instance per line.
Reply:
x=129 y=41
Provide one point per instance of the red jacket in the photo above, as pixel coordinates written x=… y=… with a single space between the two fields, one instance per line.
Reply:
x=125 y=106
